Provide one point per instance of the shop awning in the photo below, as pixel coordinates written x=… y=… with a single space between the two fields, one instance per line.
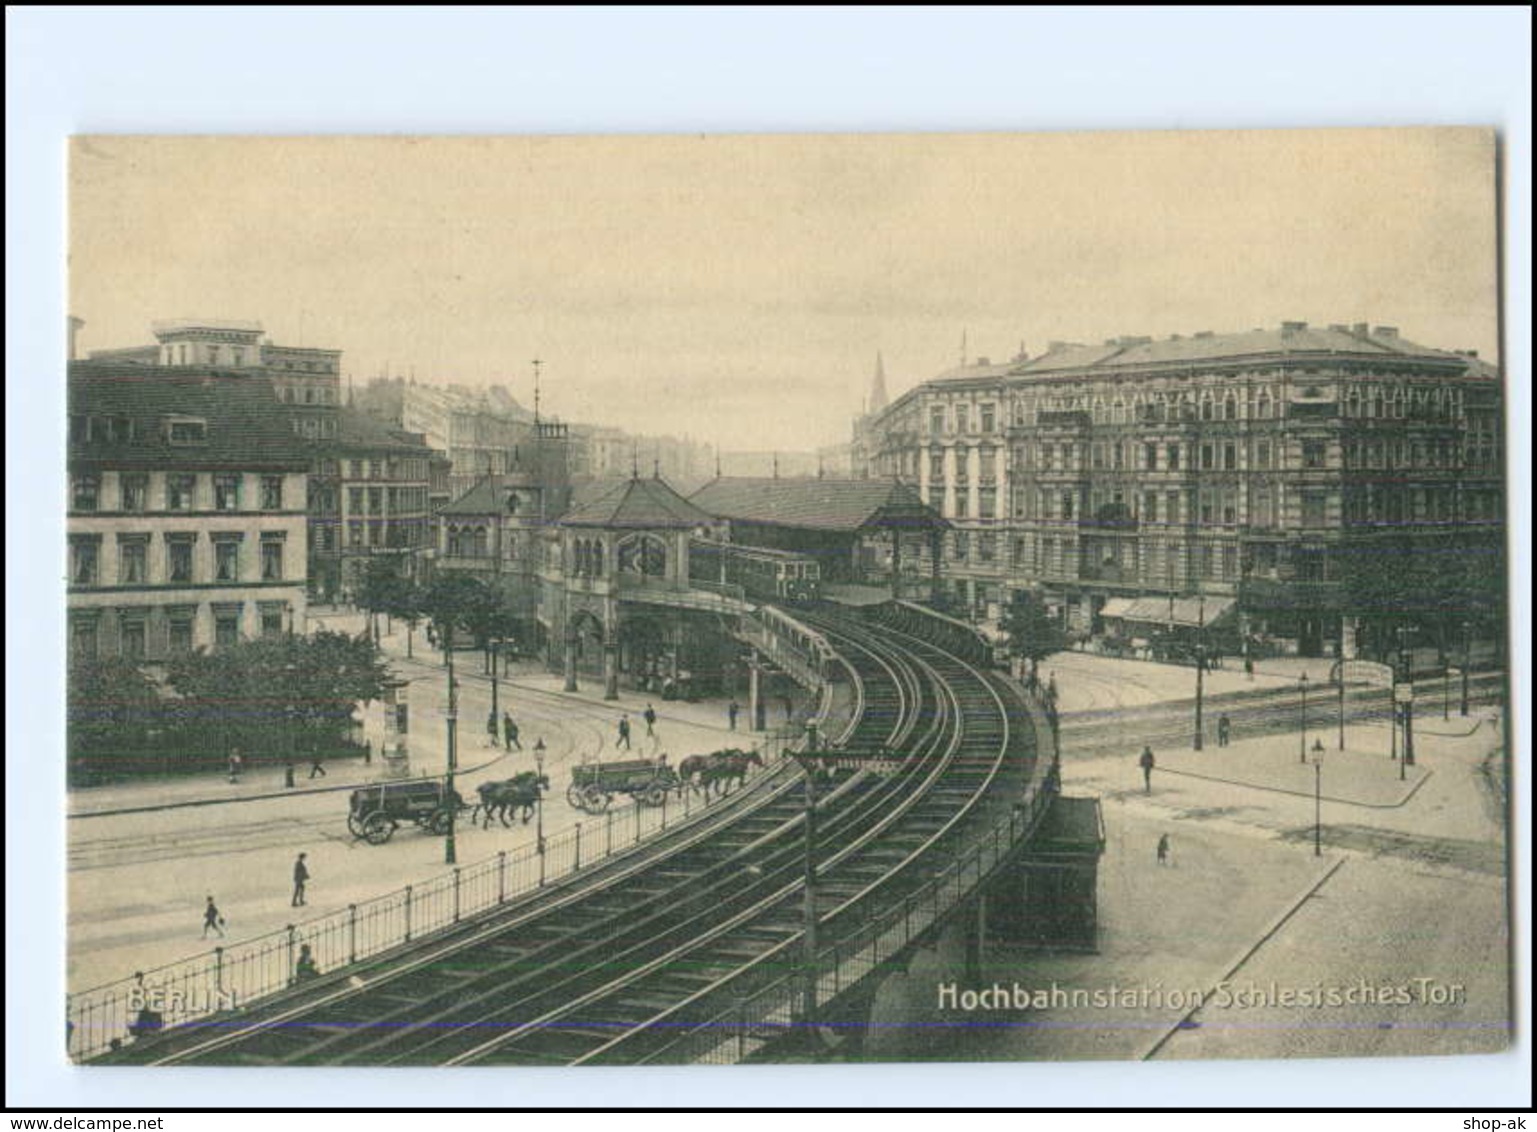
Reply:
x=1180 y=612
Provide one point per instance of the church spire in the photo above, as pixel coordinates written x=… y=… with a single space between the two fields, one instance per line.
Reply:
x=878 y=398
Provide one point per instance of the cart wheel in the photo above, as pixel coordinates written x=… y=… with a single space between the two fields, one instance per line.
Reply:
x=595 y=801
x=378 y=828
x=575 y=797
x=438 y=822
x=654 y=796
x=354 y=827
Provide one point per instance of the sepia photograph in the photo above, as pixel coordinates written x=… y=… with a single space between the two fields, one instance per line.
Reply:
x=786 y=599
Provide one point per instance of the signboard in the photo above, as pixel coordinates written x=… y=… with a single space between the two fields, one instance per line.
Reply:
x=1365 y=672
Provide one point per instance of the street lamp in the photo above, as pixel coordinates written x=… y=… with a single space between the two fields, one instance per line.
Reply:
x=1200 y=669
x=1302 y=683
x=450 y=856
x=1467 y=649
x=539 y=790
x=1318 y=795
x=1406 y=661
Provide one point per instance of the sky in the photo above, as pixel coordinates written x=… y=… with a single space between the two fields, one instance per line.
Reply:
x=737 y=289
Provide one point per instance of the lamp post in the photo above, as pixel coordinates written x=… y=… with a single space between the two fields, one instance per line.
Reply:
x=1302 y=718
x=539 y=789
x=1200 y=670
x=450 y=855
x=1467 y=649
x=1318 y=799
x=1406 y=661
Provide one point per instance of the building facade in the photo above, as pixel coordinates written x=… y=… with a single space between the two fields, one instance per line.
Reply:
x=1277 y=469
x=186 y=515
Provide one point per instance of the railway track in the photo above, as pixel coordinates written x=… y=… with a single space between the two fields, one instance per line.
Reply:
x=608 y=973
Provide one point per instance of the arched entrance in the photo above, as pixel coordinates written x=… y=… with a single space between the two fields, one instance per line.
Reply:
x=590 y=652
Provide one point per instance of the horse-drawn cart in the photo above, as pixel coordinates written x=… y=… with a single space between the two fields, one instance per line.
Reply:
x=377 y=811
x=594 y=785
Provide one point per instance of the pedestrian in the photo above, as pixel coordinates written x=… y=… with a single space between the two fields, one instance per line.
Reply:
x=1248 y=667
x=1163 y=849
x=624 y=733
x=1051 y=687
x=789 y=706
x=305 y=967
x=510 y=730
x=1224 y=729
x=288 y=773
x=212 y=919
x=301 y=878
x=650 y=717
x=235 y=763
x=731 y=713
x=315 y=767
x=1146 y=762
x=491 y=729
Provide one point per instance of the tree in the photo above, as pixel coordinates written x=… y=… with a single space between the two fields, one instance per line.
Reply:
x=1033 y=634
x=114 y=715
x=303 y=689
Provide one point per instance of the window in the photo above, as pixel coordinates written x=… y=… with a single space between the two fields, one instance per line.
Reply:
x=375 y=501
x=1262 y=454
x=135 y=491
x=179 y=557
x=1173 y=453
x=237 y=355
x=272 y=493
x=987 y=504
x=1150 y=507
x=1172 y=501
x=1208 y=459
x=180 y=492
x=1313 y=509
x=962 y=504
x=180 y=633
x=987 y=547
x=962 y=546
x=1150 y=457
x=1067 y=505
x=962 y=418
x=132 y=559
x=272 y=621
x=355 y=500
x=85 y=493
x=213 y=355
x=1230 y=456
x=987 y=418
x=226 y=628
x=988 y=465
x=226 y=556
x=187 y=430
x=226 y=492
x=83 y=643
x=1312 y=453
x=84 y=560
x=355 y=533
x=131 y=637
x=272 y=559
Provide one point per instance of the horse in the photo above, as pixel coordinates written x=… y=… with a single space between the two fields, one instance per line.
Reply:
x=517 y=795
x=728 y=766
x=692 y=771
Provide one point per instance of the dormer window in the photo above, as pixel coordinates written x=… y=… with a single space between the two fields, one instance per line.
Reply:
x=186 y=430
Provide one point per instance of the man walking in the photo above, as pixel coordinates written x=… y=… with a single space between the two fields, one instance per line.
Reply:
x=650 y=717
x=315 y=767
x=235 y=764
x=1224 y=729
x=301 y=878
x=1146 y=762
x=731 y=713
x=212 y=919
x=624 y=733
x=510 y=730
x=1163 y=849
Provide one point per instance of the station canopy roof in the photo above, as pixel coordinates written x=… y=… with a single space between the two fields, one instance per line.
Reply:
x=633 y=504
x=1185 y=612
x=817 y=504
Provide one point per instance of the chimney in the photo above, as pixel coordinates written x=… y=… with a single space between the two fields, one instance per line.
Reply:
x=74 y=326
x=1175 y=337
x=1385 y=332
x=1293 y=327
x=1203 y=334
x=1360 y=329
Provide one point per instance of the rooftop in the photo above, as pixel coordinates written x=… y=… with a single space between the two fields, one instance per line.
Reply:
x=820 y=504
x=632 y=503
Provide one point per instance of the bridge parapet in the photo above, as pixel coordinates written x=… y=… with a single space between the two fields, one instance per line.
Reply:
x=799 y=650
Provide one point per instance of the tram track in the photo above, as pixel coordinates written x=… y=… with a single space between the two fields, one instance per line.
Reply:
x=608 y=972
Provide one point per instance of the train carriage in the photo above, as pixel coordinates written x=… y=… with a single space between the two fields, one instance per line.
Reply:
x=762 y=572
